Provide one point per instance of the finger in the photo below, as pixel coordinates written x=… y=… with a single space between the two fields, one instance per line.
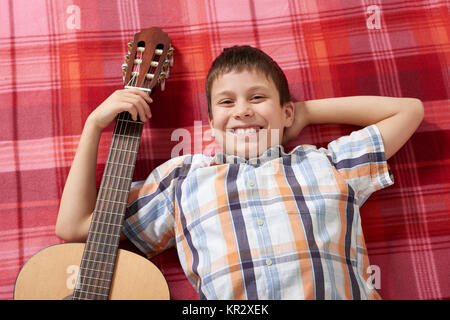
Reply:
x=131 y=110
x=141 y=93
x=143 y=105
x=139 y=106
x=142 y=115
x=148 y=111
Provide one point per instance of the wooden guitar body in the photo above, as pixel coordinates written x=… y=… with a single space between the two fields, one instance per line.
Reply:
x=51 y=274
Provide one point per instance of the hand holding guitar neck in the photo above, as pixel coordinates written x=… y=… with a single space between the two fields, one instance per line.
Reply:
x=134 y=101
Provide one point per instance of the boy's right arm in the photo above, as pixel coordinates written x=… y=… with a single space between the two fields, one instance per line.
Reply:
x=80 y=193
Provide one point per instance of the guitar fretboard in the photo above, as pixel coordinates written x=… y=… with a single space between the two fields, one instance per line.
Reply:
x=99 y=256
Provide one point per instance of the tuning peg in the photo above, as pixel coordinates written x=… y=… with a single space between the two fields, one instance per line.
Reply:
x=162 y=76
x=130 y=46
x=124 y=70
x=165 y=64
x=163 y=84
x=167 y=72
x=170 y=55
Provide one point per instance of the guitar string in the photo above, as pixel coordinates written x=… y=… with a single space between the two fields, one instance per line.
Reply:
x=136 y=68
x=116 y=179
x=89 y=269
x=106 y=207
x=115 y=221
x=93 y=271
x=105 y=228
x=123 y=155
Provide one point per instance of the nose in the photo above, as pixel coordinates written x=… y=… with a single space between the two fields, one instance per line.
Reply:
x=242 y=110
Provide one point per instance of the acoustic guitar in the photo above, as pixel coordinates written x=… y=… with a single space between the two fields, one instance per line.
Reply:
x=98 y=269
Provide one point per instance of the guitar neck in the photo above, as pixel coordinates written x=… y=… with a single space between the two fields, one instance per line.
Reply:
x=97 y=265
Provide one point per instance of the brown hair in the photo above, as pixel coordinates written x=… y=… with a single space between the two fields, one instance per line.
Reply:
x=239 y=58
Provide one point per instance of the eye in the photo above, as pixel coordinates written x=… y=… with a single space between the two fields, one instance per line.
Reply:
x=257 y=97
x=225 y=102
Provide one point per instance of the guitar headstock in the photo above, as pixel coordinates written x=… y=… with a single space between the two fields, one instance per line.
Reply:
x=148 y=61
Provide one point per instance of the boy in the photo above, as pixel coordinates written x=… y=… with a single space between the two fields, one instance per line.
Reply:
x=254 y=222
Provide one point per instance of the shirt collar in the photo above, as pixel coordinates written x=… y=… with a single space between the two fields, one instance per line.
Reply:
x=272 y=153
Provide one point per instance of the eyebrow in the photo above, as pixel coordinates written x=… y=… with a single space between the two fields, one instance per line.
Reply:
x=253 y=88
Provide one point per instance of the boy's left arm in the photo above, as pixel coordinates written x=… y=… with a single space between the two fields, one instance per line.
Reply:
x=396 y=118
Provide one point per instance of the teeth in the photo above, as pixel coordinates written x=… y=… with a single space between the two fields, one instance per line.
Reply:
x=243 y=131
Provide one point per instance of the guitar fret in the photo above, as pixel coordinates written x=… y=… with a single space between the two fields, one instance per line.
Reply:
x=104 y=290
x=120 y=171
x=123 y=150
x=121 y=198
x=130 y=121
x=93 y=245
x=98 y=253
x=94 y=279
x=98 y=275
x=102 y=244
x=101 y=231
x=91 y=262
x=109 y=176
x=92 y=266
x=95 y=270
x=106 y=234
x=112 y=201
x=115 y=221
x=123 y=190
x=102 y=262
x=109 y=238
x=107 y=228
x=114 y=189
x=93 y=285
x=106 y=223
x=120 y=164
x=125 y=136
x=91 y=293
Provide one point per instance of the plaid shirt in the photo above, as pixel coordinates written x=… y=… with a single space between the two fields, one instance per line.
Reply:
x=280 y=226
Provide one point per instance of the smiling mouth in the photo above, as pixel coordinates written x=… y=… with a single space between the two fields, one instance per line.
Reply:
x=244 y=131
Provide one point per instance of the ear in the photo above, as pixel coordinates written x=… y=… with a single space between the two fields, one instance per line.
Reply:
x=211 y=125
x=289 y=112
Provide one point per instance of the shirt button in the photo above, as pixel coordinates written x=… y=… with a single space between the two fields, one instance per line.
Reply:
x=251 y=183
x=259 y=222
x=269 y=262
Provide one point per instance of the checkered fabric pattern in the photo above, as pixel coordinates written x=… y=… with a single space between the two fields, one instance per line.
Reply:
x=60 y=59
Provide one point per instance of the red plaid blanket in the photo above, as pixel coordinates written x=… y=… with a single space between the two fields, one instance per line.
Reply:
x=60 y=59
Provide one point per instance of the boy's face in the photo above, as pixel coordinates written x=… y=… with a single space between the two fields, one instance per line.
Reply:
x=247 y=116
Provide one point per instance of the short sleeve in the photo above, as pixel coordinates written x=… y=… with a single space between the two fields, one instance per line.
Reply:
x=361 y=161
x=149 y=216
